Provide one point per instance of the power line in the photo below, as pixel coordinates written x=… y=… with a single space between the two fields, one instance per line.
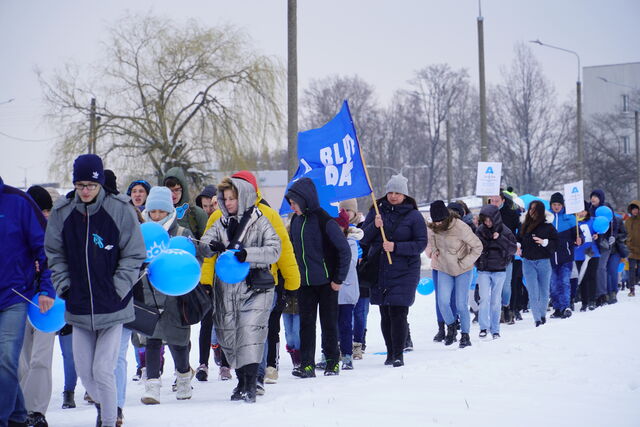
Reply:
x=28 y=140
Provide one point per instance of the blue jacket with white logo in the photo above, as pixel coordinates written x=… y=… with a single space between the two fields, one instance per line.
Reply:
x=565 y=225
x=22 y=228
x=95 y=252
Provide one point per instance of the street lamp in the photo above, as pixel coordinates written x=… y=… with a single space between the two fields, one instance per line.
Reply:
x=578 y=104
x=636 y=113
x=7 y=101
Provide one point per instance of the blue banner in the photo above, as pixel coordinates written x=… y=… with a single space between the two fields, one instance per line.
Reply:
x=330 y=157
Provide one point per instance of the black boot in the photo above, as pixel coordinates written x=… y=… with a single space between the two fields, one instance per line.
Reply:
x=251 y=382
x=451 y=334
x=99 y=418
x=408 y=345
x=613 y=297
x=557 y=314
x=68 y=399
x=238 y=392
x=439 y=337
x=465 y=341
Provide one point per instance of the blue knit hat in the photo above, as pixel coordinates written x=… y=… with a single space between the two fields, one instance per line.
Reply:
x=88 y=167
x=159 y=198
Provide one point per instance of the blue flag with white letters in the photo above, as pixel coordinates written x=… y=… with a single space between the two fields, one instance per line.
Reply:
x=330 y=157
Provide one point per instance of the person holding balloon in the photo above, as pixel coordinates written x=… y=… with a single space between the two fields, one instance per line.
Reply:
x=599 y=208
x=95 y=249
x=243 y=287
x=587 y=256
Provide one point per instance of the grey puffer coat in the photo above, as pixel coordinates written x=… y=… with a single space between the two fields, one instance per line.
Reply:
x=350 y=289
x=240 y=314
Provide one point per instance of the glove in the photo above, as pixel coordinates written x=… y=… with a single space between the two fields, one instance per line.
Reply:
x=217 y=246
x=241 y=255
x=612 y=240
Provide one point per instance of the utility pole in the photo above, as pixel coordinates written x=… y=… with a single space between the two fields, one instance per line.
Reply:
x=635 y=115
x=95 y=134
x=92 y=127
x=292 y=87
x=579 y=125
x=449 y=165
x=484 y=149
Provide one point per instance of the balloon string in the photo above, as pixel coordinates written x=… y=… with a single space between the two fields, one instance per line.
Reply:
x=142 y=275
x=26 y=299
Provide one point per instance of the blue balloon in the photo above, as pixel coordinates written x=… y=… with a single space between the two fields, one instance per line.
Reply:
x=156 y=239
x=182 y=242
x=229 y=269
x=604 y=211
x=52 y=320
x=174 y=272
x=600 y=224
x=425 y=286
x=621 y=267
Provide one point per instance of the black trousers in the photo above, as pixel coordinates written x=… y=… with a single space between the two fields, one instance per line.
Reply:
x=589 y=281
x=180 y=354
x=204 y=340
x=273 y=336
x=312 y=299
x=393 y=322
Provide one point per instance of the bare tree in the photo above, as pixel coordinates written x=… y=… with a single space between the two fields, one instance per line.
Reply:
x=527 y=131
x=168 y=96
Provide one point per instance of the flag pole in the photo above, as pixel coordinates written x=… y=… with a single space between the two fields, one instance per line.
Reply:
x=375 y=205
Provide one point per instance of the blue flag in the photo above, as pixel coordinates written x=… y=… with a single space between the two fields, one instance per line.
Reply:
x=330 y=157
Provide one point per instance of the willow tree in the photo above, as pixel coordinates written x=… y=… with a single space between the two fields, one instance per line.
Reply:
x=169 y=95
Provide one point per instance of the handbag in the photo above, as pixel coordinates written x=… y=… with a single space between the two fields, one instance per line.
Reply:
x=147 y=317
x=260 y=279
x=194 y=305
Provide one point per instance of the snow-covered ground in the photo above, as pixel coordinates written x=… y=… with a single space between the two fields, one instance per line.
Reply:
x=582 y=371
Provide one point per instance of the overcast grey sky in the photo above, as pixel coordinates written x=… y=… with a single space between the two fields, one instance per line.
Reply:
x=382 y=41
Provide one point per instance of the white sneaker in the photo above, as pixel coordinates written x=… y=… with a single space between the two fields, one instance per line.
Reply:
x=151 y=394
x=271 y=375
x=143 y=376
x=183 y=385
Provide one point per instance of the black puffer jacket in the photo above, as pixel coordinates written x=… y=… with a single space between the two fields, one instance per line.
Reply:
x=510 y=213
x=496 y=253
x=322 y=251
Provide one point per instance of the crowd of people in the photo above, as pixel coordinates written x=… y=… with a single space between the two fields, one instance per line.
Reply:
x=87 y=248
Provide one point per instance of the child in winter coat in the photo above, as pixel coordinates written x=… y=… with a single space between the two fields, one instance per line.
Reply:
x=498 y=246
x=349 y=291
x=587 y=256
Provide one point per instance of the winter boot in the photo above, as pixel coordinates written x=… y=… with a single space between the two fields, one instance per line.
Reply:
x=465 y=341
x=202 y=373
x=347 y=362
x=557 y=314
x=566 y=313
x=408 y=345
x=518 y=315
x=271 y=375
x=632 y=291
x=613 y=297
x=357 y=351
x=512 y=317
x=333 y=368
x=68 y=399
x=451 y=334
x=37 y=419
x=151 y=394
x=238 y=392
x=251 y=383
x=260 y=386
x=439 y=337
x=398 y=362
x=217 y=354
x=307 y=371
x=184 y=390
x=224 y=374
x=502 y=320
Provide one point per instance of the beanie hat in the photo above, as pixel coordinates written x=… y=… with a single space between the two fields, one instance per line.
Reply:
x=438 y=211
x=247 y=176
x=41 y=196
x=343 y=219
x=160 y=199
x=557 y=198
x=209 y=191
x=110 y=181
x=397 y=184
x=349 y=205
x=145 y=185
x=457 y=208
x=88 y=167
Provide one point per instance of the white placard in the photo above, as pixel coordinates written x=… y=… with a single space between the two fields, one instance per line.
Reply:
x=574 y=197
x=488 y=180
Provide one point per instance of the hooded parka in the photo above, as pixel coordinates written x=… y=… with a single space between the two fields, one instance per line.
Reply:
x=496 y=253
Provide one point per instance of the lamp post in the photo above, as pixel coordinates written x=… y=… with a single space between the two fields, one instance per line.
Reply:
x=636 y=113
x=578 y=106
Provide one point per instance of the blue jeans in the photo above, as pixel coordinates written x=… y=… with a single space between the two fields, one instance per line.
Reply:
x=70 y=376
x=452 y=300
x=360 y=314
x=537 y=274
x=612 y=272
x=345 y=328
x=292 y=330
x=506 y=288
x=490 y=283
x=560 y=285
x=460 y=284
x=121 y=367
x=12 y=324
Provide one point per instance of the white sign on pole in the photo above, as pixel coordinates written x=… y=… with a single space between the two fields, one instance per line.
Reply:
x=574 y=197
x=488 y=180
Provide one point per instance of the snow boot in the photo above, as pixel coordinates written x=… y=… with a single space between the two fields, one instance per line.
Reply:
x=357 y=351
x=347 y=362
x=632 y=291
x=566 y=313
x=251 y=383
x=482 y=334
x=184 y=390
x=36 y=419
x=271 y=375
x=557 y=314
x=238 y=392
x=202 y=373
x=451 y=334
x=613 y=298
x=439 y=337
x=68 y=399
x=333 y=368
x=398 y=363
x=465 y=341
x=307 y=371
x=408 y=345
x=151 y=394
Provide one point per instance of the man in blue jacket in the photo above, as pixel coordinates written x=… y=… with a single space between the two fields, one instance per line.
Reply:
x=323 y=255
x=95 y=250
x=562 y=259
x=22 y=227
